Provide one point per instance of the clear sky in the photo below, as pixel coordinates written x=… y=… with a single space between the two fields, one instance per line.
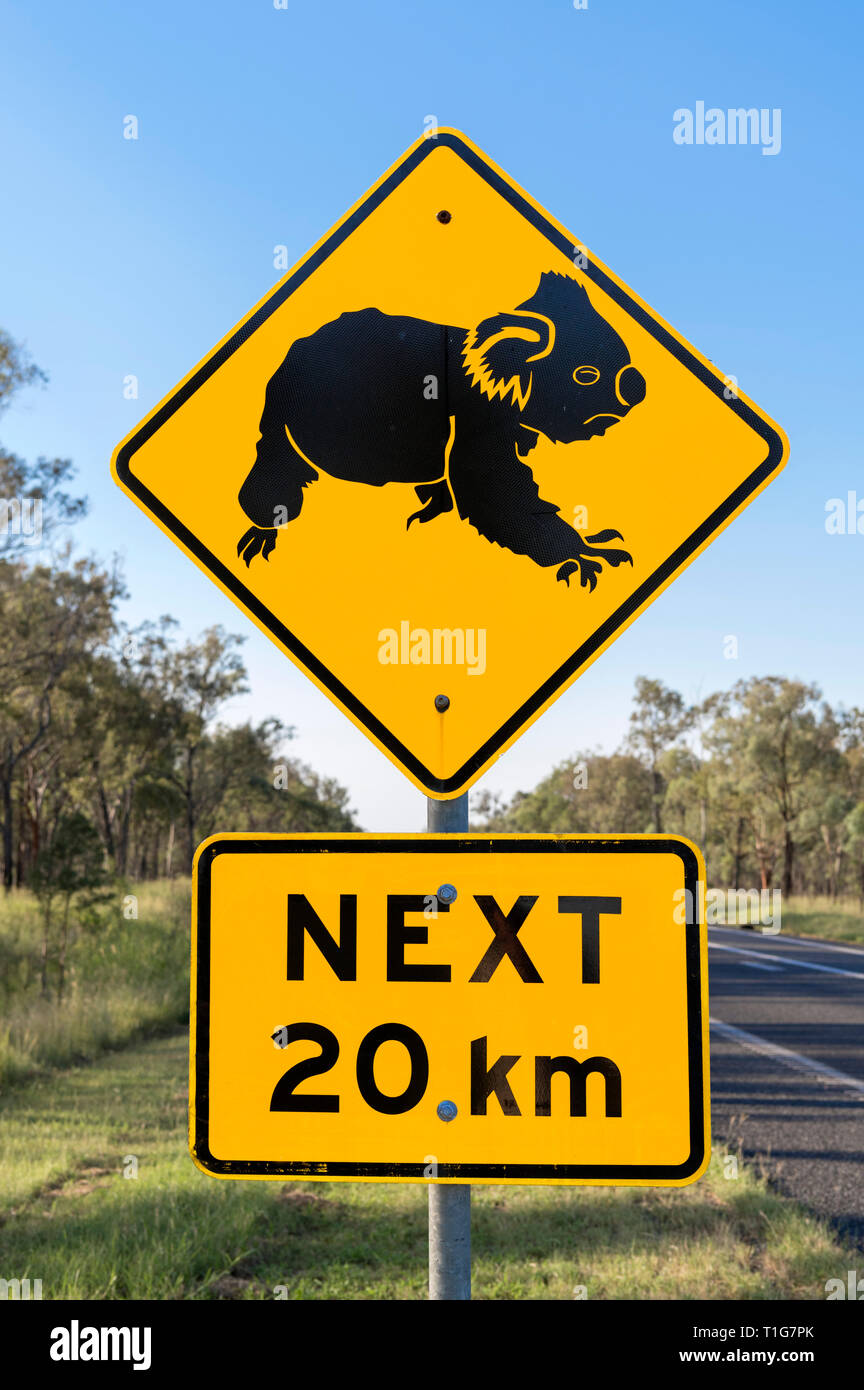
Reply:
x=259 y=126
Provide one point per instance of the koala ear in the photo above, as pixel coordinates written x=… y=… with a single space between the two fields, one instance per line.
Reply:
x=558 y=297
x=499 y=351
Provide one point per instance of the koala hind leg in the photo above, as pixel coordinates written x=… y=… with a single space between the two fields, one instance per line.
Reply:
x=272 y=494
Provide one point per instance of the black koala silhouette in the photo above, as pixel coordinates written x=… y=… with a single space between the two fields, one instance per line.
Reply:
x=375 y=398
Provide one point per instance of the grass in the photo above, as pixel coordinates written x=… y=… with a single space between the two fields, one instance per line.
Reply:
x=127 y=978
x=70 y=1217
x=817 y=917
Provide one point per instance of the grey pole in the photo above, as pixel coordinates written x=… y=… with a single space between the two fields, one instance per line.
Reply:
x=449 y=1203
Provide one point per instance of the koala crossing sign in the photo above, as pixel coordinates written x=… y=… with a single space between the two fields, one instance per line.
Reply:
x=447 y=459
x=465 y=1008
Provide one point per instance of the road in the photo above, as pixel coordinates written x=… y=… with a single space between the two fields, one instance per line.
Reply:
x=787 y=1064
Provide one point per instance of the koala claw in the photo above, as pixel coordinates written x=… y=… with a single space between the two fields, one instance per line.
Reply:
x=258 y=540
x=588 y=572
x=603 y=536
x=616 y=557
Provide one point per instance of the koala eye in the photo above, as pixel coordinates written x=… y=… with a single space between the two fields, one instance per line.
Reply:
x=586 y=376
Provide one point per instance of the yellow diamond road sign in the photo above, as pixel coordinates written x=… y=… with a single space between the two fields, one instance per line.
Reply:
x=449 y=455
x=464 y=1008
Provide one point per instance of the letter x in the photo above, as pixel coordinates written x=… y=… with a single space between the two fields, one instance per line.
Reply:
x=506 y=943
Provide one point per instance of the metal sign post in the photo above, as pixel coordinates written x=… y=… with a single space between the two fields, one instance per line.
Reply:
x=449 y=1203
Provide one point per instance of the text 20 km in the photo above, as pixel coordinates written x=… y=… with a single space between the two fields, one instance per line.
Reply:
x=485 y=1081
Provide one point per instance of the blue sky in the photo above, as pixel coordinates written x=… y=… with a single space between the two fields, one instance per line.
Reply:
x=260 y=126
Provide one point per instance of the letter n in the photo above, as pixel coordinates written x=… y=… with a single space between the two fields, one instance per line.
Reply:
x=341 y=956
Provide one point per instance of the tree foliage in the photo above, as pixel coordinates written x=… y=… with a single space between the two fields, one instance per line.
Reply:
x=766 y=778
x=111 y=746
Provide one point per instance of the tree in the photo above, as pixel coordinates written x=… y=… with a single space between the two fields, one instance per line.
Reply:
x=126 y=739
x=855 y=840
x=657 y=722
x=70 y=866
x=33 y=497
x=198 y=678
x=590 y=793
x=52 y=618
x=249 y=784
x=782 y=740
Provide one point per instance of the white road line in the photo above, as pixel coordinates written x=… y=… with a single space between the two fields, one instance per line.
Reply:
x=807 y=943
x=795 y=1060
x=750 y=964
x=788 y=960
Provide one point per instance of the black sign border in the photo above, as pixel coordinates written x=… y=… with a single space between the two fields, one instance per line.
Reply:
x=451 y=844
x=447 y=786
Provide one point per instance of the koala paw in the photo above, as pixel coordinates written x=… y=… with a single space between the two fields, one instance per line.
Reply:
x=258 y=540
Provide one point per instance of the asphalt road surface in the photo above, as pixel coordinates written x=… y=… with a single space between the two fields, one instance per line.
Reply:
x=787 y=1064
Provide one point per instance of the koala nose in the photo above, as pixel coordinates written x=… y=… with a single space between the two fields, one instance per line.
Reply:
x=630 y=386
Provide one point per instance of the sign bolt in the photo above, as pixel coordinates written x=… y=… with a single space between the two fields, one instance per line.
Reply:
x=447 y=1110
x=446 y=893
x=444 y=215
x=442 y=702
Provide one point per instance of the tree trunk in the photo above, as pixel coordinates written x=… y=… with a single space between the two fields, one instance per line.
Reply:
x=20 y=846
x=656 y=798
x=739 y=855
x=125 y=823
x=838 y=873
x=788 y=857
x=190 y=813
x=46 y=933
x=105 y=817
x=7 y=827
x=61 y=958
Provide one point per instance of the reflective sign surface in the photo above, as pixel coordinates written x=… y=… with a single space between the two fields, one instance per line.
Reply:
x=478 y=1009
x=449 y=455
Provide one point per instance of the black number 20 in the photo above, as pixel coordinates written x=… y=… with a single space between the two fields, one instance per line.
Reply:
x=284 y=1095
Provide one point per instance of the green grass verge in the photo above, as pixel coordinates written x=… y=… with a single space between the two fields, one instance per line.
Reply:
x=70 y=1218
x=128 y=977
x=819 y=917
x=815 y=917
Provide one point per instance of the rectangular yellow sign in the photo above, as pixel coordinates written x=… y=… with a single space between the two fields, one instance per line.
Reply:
x=463 y=1008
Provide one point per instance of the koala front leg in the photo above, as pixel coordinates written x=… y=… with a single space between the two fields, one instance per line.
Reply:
x=505 y=506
